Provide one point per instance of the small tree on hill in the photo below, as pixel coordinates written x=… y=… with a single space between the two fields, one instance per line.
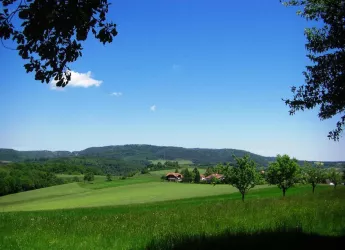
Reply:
x=89 y=176
x=176 y=170
x=313 y=174
x=243 y=176
x=109 y=177
x=76 y=179
x=334 y=176
x=283 y=172
x=196 y=175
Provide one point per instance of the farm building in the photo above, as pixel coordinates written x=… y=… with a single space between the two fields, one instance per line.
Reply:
x=202 y=177
x=218 y=176
x=174 y=177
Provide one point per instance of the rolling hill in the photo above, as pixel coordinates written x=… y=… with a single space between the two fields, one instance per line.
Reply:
x=136 y=152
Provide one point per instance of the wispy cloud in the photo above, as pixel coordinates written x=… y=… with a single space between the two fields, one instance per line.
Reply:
x=80 y=80
x=117 y=94
x=153 y=108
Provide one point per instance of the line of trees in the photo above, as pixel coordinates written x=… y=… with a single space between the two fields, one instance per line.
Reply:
x=18 y=179
x=162 y=166
x=285 y=172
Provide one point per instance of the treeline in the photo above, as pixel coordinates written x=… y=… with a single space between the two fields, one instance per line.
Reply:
x=16 y=178
x=283 y=172
x=99 y=166
x=165 y=165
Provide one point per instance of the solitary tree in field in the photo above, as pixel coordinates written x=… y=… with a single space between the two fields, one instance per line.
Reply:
x=243 y=176
x=109 y=177
x=48 y=34
x=89 y=176
x=324 y=86
x=313 y=174
x=196 y=175
x=334 y=176
x=283 y=172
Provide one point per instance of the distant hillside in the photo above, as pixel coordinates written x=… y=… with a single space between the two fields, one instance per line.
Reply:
x=142 y=153
x=14 y=155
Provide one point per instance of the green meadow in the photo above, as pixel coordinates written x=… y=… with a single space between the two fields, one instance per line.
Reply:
x=188 y=222
x=138 y=189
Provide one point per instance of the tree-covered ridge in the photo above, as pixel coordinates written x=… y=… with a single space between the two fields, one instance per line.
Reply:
x=141 y=154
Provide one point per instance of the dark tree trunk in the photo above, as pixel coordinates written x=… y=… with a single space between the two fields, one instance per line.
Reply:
x=284 y=190
x=313 y=188
x=243 y=197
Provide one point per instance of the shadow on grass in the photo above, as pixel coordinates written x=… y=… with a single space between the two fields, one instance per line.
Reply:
x=289 y=239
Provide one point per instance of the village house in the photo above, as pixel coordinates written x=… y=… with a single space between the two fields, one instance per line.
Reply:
x=174 y=177
x=217 y=176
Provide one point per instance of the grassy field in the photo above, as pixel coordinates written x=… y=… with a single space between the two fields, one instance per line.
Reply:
x=180 y=161
x=265 y=219
x=140 y=189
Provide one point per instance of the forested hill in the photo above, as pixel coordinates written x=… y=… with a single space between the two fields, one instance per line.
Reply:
x=140 y=152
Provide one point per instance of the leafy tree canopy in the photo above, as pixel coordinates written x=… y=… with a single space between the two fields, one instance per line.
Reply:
x=50 y=33
x=313 y=173
x=243 y=176
x=325 y=79
x=283 y=172
x=334 y=176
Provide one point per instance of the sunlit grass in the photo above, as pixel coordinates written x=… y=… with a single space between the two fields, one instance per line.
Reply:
x=135 y=226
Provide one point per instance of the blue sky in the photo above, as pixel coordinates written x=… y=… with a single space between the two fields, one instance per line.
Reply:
x=193 y=73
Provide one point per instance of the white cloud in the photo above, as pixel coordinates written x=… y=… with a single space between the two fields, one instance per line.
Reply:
x=153 y=108
x=80 y=80
x=117 y=94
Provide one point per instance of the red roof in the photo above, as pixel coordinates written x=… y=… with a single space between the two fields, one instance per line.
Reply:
x=218 y=176
x=175 y=174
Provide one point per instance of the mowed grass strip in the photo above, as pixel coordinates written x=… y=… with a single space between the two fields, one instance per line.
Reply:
x=116 y=181
x=72 y=196
x=162 y=225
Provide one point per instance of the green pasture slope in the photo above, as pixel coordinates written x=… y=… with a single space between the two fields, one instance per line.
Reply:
x=264 y=221
x=139 y=189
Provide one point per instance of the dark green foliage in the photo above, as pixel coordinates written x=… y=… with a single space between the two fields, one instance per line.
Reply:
x=187 y=176
x=76 y=179
x=313 y=174
x=17 y=177
x=196 y=178
x=89 y=177
x=144 y=171
x=163 y=177
x=176 y=170
x=209 y=171
x=334 y=176
x=243 y=175
x=324 y=80
x=109 y=178
x=49 y=33
x=283 y=173
x=126 y=157
x=166 y=165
